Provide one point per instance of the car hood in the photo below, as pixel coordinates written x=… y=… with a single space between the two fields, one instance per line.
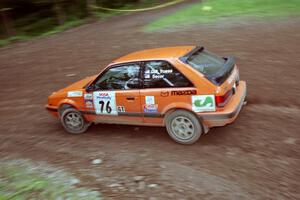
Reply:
x=79 y=85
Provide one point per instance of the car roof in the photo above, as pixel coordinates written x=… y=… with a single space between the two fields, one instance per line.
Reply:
x=156 y=54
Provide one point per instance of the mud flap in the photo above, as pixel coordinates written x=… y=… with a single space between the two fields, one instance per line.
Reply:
x=205 y=128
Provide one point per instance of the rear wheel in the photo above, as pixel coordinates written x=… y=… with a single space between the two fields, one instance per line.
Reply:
x=73 y=121
x=183 y=127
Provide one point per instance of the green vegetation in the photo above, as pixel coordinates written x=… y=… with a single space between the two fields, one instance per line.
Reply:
x=212 y=10
x=27 y=19
x=21 y=181
x=36 y=32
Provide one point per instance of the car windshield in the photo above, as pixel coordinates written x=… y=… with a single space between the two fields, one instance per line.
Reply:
x=206 y=62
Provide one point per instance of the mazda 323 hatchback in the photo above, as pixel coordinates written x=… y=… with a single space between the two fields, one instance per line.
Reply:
x=185 y=88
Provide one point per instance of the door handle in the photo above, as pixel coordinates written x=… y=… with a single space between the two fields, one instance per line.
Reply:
x=130 y=98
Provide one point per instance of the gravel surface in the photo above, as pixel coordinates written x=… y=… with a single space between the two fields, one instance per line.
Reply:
x=257 y=157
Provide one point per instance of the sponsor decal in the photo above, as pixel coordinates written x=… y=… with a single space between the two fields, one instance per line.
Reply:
x=121 y=108
x=202 y=103
x=164 y=93
x=104 y=95
x=149 y=100
x=105 y=103
x=184 y=92
x=88 y=103
x=88 y=96
x=150 y=108
x=75 y=94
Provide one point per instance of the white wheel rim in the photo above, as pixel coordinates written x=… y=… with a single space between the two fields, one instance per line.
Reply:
x=73 y=121
x=183 y=128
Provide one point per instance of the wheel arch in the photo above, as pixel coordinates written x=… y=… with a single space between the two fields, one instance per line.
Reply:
x=171 y=110
x=66 y=103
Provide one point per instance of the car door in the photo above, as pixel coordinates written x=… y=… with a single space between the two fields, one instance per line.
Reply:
x=163 y=87
x=116 y=97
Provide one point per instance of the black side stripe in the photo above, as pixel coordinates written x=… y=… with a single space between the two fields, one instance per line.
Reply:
x=157 y=115
x=88 y=112
x=128 y=114
x=154 y=115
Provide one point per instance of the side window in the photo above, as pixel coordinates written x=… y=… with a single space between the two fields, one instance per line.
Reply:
x=120 y=78
x=161 y=74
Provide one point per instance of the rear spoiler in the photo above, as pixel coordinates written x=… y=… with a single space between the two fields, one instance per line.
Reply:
x=223 y=74
x=189 y=54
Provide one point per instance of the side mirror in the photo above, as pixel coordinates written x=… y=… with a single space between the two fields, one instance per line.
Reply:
x=89 y=88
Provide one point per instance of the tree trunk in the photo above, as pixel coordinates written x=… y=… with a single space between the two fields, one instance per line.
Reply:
x=59 y=11
x=90 y=7
x=75 y=8
x=7 y=22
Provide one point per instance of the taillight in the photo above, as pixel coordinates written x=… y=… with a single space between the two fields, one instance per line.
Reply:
x=222 y=100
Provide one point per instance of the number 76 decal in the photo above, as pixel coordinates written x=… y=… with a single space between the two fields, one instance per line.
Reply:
x=105 y=103
x=107 y=107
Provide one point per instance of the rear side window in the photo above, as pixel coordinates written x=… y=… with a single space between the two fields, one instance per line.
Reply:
x=161 y=74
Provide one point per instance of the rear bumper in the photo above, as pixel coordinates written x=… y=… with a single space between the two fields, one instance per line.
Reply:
x=230 y=112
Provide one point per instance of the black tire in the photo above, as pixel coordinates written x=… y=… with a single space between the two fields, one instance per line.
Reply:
x=183 y=127
x=73 y=121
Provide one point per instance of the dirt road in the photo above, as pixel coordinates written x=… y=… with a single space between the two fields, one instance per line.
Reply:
x=257 y=157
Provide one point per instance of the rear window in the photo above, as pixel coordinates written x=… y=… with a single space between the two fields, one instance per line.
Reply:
x=214 y=68
x=206 y=62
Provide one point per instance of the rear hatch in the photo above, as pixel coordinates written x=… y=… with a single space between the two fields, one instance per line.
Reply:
x=220 y=71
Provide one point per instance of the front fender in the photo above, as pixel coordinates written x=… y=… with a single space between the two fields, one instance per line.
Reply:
x=69 y=102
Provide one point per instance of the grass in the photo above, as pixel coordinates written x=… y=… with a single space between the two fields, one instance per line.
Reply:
x=30 y=31
x=20 y=180
x=209 y=11
x=23 y=35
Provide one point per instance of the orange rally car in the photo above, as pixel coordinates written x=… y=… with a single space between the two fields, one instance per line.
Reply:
x=185 y=88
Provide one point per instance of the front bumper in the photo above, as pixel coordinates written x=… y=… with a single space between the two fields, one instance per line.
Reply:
x=52 y=110
x=230 y=112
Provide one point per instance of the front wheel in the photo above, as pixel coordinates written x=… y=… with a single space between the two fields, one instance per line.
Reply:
x=73 y=121
x=183 y=127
